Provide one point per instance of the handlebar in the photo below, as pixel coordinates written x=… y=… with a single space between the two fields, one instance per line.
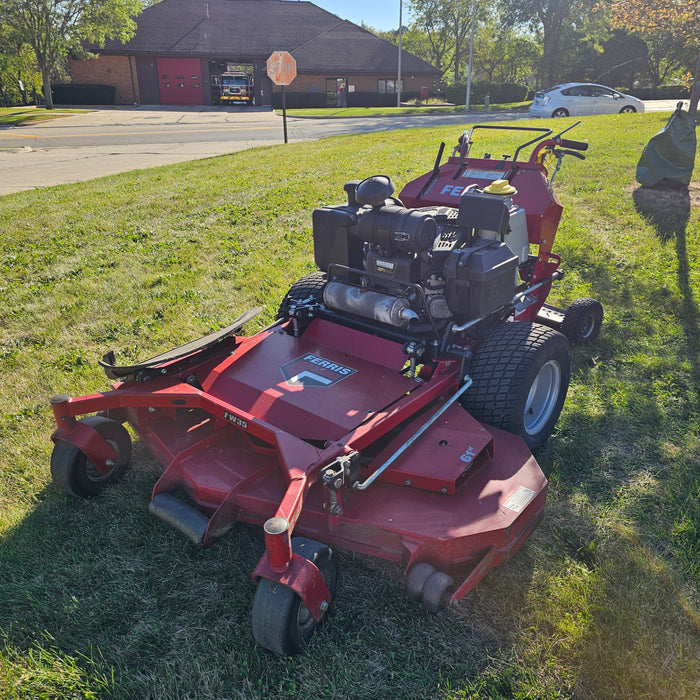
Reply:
x=578 y=145
x=558 y=152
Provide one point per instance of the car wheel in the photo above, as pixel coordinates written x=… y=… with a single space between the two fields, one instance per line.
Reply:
x=627 y=109
x=560 y=112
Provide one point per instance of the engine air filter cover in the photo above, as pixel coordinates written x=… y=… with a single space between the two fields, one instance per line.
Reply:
x=480 y=279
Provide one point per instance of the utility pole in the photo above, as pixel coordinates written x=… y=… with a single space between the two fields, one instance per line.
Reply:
x=398 y=81
x=471 y=56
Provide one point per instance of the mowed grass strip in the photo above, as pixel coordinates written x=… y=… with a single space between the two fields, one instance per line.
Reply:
x=99 y=599
x=18 y=116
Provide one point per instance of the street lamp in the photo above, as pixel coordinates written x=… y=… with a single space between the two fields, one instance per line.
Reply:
x=471 y=55
x=398 y=82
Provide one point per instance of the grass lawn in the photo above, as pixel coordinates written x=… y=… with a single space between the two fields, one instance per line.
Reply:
x=17 y=116
x=99 y=599
x=340 y=112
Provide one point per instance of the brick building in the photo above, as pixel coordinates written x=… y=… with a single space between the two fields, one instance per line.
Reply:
x=180 y=46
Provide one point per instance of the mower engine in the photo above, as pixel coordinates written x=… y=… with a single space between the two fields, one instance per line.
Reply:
x=418 y=269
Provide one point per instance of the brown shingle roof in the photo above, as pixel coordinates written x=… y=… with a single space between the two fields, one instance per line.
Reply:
x=252 y=29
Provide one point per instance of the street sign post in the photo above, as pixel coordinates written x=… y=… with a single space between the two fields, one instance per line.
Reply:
x=282 y=69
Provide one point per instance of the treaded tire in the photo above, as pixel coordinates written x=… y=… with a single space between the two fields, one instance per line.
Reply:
x=560 y=112
x=72 y=471
x=582 y=321
x=281 y=622
x=520 y=375
x=309 y=288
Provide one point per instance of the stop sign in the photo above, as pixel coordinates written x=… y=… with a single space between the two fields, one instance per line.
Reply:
x=281 y=67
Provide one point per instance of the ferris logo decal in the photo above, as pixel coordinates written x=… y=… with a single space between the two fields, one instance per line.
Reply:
x=322 y=373
x=452 y=190
x=236 y=420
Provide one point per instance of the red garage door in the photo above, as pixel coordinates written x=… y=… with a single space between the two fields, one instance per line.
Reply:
x=180 y=81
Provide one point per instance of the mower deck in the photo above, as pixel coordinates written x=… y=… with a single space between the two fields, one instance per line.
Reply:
x=248 y=438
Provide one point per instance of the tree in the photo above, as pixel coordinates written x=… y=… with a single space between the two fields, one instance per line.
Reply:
x=553 y=21
x=429 y=19
x=447 y=24
x=19 y=75
x=56 y=28
x=503 y=53
x=679 y=19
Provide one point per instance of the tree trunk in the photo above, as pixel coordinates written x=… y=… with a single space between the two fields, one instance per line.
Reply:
x=458 y=52
x=46 y=84
x=695 y=91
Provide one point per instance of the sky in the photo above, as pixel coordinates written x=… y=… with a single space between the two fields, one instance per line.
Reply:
x=379 y=14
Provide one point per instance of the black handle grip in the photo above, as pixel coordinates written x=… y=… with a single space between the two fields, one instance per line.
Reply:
x=578 y=145
x=558 y=152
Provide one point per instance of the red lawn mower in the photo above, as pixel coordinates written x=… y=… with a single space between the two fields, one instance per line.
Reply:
x=390 y=410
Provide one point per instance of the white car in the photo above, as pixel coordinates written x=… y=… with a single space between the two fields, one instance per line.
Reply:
x=575 y=99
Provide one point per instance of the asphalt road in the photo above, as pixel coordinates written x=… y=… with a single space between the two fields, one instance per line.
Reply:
x=108 y=141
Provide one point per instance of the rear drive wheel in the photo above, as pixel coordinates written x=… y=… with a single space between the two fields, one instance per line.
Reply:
x=582 y=321
x=560 y=112
x=520 y=377
x=308 y=289
x=76 y=475
x=281 y=621
x=627 y=109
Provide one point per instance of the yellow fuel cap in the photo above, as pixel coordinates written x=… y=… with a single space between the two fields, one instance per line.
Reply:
x=502 y=187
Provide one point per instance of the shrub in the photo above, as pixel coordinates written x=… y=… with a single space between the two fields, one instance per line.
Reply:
x=662 y=92
x=497 y=92
x=299 y=100
x=77 y=94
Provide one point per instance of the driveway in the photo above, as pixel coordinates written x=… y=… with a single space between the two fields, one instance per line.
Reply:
x=113 y=140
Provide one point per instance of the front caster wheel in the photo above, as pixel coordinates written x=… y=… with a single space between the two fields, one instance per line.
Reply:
x=72 y=471
x=281 y=621
x=308 y=290
x=582 y=321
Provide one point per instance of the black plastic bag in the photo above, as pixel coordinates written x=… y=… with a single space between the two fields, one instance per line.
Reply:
x=670 y=155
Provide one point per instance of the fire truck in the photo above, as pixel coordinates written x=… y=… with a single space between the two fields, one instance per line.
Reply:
x=233 y=87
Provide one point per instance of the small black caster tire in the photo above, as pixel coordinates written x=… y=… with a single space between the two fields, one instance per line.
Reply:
x=281 y=622
x=74 y=474
x=308 y=289
x=437 y=591
x=416 y=578
x=582 y=321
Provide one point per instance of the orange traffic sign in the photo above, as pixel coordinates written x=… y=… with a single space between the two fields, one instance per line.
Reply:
x=281 y=67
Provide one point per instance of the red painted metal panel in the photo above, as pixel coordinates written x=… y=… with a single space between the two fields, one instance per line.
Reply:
x=307 y=388
x=543 y=209
x=180 y=81
x=443 y=459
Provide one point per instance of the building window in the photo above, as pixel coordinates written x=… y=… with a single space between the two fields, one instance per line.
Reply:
x=387 y=85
